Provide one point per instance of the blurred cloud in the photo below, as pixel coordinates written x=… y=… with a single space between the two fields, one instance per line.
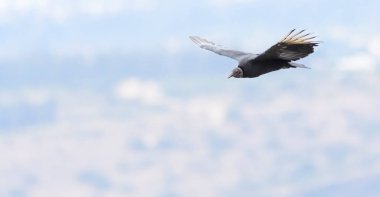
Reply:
x=374 y=47
x=193 y=143
x=358 y=62
x=33 y=96
x=148 y=92
x=61 y=11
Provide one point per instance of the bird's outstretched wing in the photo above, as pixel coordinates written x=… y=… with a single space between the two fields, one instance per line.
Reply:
x=205 y=44
x=292 y=47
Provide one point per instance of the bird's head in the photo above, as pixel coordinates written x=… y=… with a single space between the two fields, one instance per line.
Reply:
x=236 y=72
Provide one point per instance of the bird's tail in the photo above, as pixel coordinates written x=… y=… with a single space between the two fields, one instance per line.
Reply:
x=296 y=65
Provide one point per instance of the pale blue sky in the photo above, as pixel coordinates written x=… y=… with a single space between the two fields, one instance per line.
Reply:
x=111 y=98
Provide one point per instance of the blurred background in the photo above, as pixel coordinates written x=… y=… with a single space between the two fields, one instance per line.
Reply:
x=111 y=98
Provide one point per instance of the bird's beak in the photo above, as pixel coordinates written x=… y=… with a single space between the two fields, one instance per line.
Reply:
x=231 y=75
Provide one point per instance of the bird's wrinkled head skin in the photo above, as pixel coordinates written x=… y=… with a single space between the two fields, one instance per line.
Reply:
x=236 y=72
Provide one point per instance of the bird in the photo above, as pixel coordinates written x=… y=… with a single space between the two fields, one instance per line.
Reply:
x=281 y=55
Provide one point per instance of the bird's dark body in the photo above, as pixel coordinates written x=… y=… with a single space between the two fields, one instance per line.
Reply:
x=255 y=68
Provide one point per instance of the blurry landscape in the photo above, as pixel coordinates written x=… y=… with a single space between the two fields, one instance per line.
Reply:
x=111 y=98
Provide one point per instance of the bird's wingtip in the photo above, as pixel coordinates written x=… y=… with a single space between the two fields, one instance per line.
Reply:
x=192 y=38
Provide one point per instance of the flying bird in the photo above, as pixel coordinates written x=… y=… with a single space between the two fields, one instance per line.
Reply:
x=292 y=47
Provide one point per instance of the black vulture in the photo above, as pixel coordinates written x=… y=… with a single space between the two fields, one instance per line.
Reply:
x=292 y=47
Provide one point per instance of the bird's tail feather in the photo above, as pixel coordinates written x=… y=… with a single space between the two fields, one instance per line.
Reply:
x=296 y=65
